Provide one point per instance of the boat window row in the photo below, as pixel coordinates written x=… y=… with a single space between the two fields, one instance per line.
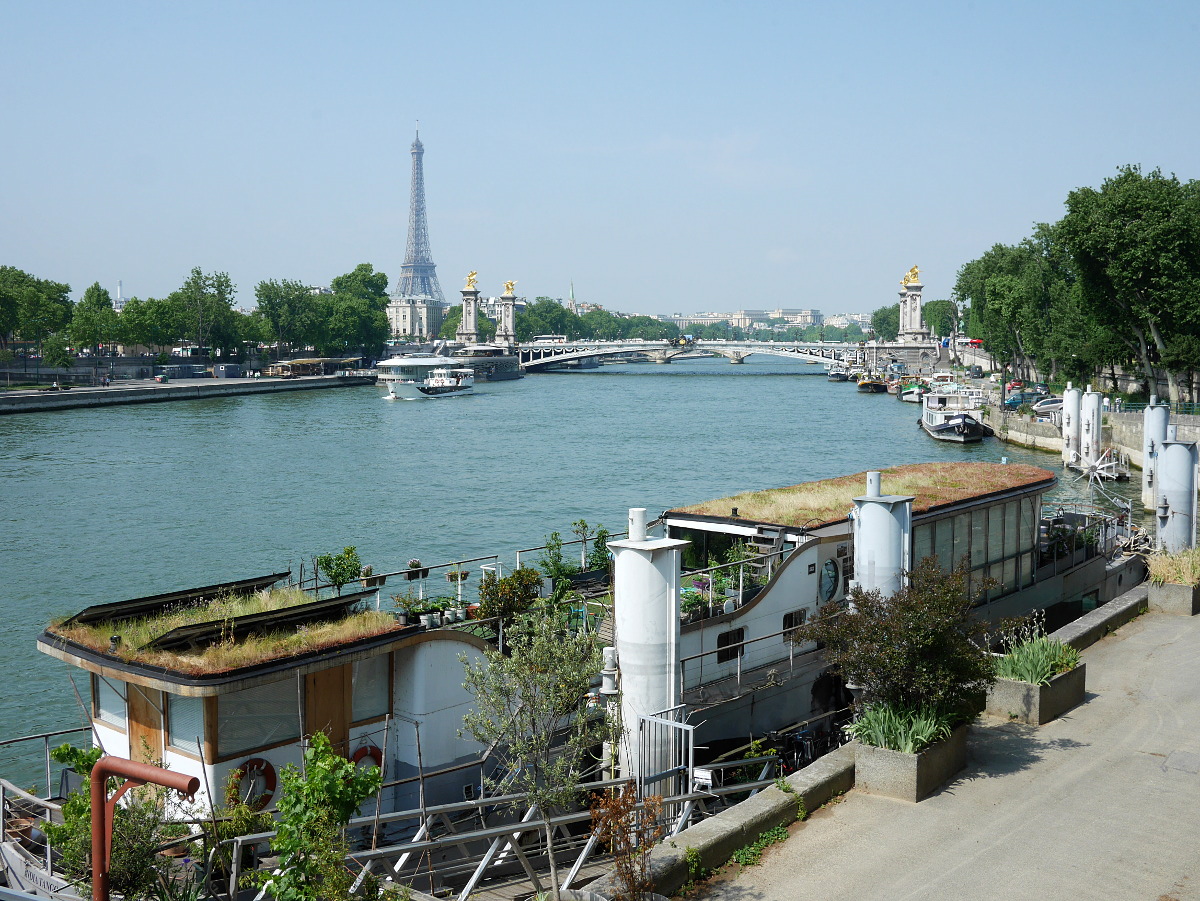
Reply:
x=253 y=718
x=996 y=541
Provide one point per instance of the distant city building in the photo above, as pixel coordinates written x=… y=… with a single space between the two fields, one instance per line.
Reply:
x=319 y=289
x=415 y=316
x=118 y=301
x=844 y=320
x=490 y=307
x=748 y=319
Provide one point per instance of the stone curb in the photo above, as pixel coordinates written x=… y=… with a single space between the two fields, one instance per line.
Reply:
x=1091 y=627
x=718 y=837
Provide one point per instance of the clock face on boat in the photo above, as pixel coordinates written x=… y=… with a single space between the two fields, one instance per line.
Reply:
x=829 y=580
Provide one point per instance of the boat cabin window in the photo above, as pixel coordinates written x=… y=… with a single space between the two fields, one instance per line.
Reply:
x=791 y=622
x=729 y=645
x=257 y=717
x=997 y=541
x=371 y=697
x=185 y=723
x=109 y=701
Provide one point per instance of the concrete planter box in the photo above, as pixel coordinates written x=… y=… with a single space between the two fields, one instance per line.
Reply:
x=909 y=777
x=1171 y=597
x=1023 y=702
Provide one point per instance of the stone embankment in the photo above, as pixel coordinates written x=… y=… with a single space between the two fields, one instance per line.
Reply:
x=153 y=392
x=1122 y=431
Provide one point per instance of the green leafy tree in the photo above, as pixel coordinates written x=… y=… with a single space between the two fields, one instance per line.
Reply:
x=287 y=308
x=33 y=307
x=365 y=284
x=546 y=316
x=138 y=830
x=1136 y=244
x=55 y=353
x=551 y=560
x=508 y=596
x=205 y=302
x=530 y=703
x=918 y=648
x=941 y=317
x=886 y=322
x=340 y=568
x=152 y=323
x=314 y=807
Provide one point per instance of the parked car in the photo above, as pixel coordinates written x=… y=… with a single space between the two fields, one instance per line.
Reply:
x=1049 y=404
x=1040 y=387
x=1021 y=397
x=1014 y=385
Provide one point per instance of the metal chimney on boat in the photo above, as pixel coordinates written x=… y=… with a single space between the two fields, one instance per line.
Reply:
x=882 y=533
x=646 y=576
x=1091 y=416
x=1155 y=420
x=1175 y=471
x=1072 y=401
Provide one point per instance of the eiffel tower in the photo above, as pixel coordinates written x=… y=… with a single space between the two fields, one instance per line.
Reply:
x=418 y=275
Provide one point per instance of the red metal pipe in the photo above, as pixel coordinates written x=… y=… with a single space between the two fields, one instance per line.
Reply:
x=135 y=774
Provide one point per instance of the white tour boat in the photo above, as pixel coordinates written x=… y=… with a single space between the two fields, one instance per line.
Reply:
x=423 y=375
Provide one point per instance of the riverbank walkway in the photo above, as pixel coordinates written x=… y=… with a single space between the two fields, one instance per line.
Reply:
x=1101 y=803
x=140 y=391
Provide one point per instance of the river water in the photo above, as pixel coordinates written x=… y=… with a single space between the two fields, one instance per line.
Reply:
x=106 y=504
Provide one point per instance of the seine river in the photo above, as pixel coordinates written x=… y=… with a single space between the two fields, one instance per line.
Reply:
x=109 y=504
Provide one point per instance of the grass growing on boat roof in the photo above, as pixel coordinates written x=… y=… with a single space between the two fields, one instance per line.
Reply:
x=829 y=500
x=227 y=655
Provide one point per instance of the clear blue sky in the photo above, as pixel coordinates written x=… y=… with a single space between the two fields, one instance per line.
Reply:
x=667 y=157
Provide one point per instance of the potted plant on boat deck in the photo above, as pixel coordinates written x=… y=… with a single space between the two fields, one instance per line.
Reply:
x=1175 y=582
x=918 y=663
x=369 y=579
x=415 y=570
x=1038 y=677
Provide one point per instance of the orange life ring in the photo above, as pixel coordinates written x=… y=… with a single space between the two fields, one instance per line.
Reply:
x=368 y=751
x=251 y=770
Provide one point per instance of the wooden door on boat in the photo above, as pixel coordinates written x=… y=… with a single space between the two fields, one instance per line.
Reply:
x=327 y=702
x=146 y=724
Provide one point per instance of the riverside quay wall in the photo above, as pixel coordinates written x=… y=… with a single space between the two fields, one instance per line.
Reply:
x=1122 y=431
x=152 y=392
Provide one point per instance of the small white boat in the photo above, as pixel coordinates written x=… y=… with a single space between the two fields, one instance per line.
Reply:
x=423 y=375
x=954 y=417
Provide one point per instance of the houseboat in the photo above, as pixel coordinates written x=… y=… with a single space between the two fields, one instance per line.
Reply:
x=223 y=682
x=954 y=416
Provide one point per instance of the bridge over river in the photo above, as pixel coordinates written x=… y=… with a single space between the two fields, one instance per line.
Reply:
x=539 y=355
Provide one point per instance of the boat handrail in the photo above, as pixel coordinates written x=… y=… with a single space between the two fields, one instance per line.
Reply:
x=10 y=788
x=44 y=737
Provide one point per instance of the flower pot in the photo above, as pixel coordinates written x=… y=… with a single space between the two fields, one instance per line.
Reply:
x=402 y=617
x=909 y=777
x=473 y=611
x=1023 y=702
x=460 y=614
x=413 y=574
x=1174 y=598
x=373 y=581
x=430 y=620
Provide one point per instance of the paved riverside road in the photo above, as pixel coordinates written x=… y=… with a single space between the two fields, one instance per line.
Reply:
x=1102 y=803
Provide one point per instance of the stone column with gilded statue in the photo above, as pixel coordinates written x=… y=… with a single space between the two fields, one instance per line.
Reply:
x=506 y=327
x=911 y=326
x=466 y=333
